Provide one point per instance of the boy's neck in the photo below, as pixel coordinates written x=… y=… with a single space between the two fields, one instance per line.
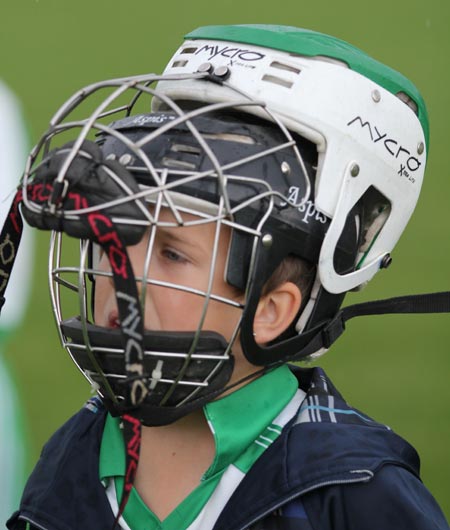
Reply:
x=173 y=460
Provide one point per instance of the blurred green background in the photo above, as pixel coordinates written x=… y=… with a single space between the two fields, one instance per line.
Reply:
x=395 y=368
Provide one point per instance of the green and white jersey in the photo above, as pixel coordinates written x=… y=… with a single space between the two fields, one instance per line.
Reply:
x=13 y=151
x=244 y=424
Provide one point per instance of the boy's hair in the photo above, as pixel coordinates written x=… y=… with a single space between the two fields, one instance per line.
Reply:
x=296 y=270
x=301 y=273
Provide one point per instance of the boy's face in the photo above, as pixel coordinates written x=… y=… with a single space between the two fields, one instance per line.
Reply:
x=181 y=256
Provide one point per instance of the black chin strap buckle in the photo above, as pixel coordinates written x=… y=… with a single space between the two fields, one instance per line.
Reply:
x=333 y=330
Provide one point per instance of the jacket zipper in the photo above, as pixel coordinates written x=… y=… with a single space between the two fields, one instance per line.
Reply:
x=369 y=476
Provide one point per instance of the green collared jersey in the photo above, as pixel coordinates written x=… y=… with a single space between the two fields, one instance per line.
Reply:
x=244 y=424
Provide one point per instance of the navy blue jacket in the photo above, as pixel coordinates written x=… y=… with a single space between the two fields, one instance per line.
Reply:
x=331 y=468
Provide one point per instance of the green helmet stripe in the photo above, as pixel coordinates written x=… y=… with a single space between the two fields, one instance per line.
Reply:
x=311 y=44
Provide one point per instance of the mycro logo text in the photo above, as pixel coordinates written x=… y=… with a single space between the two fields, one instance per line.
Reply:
x=408 y=163
x=230 y=52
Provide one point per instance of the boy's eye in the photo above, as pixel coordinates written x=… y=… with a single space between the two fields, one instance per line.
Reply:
x=173 y=255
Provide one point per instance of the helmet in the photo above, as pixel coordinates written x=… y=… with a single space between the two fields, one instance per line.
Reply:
x=368 y=122
x=297 y=143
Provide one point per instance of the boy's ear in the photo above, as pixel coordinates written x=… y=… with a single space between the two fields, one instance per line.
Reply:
x=275 y=312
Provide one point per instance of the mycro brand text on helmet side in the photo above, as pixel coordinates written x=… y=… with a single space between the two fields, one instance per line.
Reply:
x=411 y=162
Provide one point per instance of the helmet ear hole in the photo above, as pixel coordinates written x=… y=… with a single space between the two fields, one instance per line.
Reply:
x=363 y=225
x=376 y=209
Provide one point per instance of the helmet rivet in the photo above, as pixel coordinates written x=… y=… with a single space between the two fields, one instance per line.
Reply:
x=385 y=261
x=125 y=159
x=267 y=240
x=376 y=96
x=285 y=168
x=420 y=148
x=222 y=71
x=205 y=68
x=354 y=170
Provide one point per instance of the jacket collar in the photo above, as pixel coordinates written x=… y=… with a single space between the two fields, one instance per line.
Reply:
x=327 y=443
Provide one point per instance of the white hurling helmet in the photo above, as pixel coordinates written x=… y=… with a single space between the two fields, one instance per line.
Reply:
x=369 y=124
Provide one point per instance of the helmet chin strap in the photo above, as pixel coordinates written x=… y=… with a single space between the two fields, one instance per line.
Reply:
x=409 y=304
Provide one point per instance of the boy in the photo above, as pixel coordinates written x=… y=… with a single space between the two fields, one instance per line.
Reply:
x=218 y=235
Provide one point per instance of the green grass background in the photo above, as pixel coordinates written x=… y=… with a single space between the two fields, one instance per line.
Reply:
x=396 y=368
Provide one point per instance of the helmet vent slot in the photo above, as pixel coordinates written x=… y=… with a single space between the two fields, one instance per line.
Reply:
x=178 y=164
x=179 y=64
x=231 y=137
x=408 y=101
x=183 y=148
x=189 y=50
x=286 y=67
x=277 y=80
